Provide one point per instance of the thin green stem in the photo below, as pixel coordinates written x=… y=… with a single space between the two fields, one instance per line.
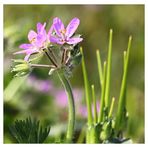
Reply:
x=124 y=60
x=52 y=53
x=82 y=135
x=71 y=105
x=108 y=76
x=52 y=61
x=63 y=56
x=124 y=68
x=121 y=104
x=99 y=67
x=111 y=107
x=87 y=89
x=94 y=103
x=102 y=94
x=42 y=66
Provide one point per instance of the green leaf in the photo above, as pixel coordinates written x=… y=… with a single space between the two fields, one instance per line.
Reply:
x=29 y=131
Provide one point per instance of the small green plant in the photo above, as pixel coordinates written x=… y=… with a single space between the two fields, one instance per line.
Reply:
x=106 y=127
x=29 y=131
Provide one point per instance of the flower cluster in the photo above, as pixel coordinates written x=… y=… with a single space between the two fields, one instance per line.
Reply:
x=58 y=36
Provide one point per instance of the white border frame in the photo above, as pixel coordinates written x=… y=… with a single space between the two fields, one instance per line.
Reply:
x=3 y=2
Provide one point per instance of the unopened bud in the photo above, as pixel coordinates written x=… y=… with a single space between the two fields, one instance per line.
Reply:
x=20 y=69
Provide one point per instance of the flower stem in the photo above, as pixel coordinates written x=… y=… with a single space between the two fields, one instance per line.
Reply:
x=42 y=65
x=71 y=116
x=52 y=61
x=52 y=54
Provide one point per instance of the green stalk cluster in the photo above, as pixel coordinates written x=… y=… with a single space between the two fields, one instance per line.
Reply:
x=104 y=127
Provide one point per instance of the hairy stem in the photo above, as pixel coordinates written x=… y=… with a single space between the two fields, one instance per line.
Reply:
x=71 y=105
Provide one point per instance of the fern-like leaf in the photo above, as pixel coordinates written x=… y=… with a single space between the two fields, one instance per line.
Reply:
x=29 y=131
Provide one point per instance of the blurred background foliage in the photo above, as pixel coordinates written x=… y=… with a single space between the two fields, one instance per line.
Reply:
x=42 y=96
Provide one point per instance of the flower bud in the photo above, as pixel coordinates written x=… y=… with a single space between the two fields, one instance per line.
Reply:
x=21 y=68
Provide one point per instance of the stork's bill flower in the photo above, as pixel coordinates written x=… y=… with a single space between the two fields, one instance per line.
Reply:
x=65 y=35
x=37 y=41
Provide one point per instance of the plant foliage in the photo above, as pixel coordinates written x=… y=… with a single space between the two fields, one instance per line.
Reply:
x=29 y=131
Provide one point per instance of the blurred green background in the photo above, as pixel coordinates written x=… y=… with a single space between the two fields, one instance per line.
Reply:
x=25 y=97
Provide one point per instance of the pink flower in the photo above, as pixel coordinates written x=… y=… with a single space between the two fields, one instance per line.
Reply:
x=64 y=35
x=61 y=98
x=37 y=41
x=43 y=86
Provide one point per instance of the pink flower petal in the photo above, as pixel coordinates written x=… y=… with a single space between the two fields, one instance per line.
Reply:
x=40 y=27
x=74 y=40
x=41 y=38
x=20 y=52
x=58 y=26
x=32 y=35
x=50 y=31
x=27 y=57
x=72 y=26
x=26 y=46
x=56 y=40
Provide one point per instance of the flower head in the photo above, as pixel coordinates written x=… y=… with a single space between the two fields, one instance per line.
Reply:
x=37 y=41
x=65 y=35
